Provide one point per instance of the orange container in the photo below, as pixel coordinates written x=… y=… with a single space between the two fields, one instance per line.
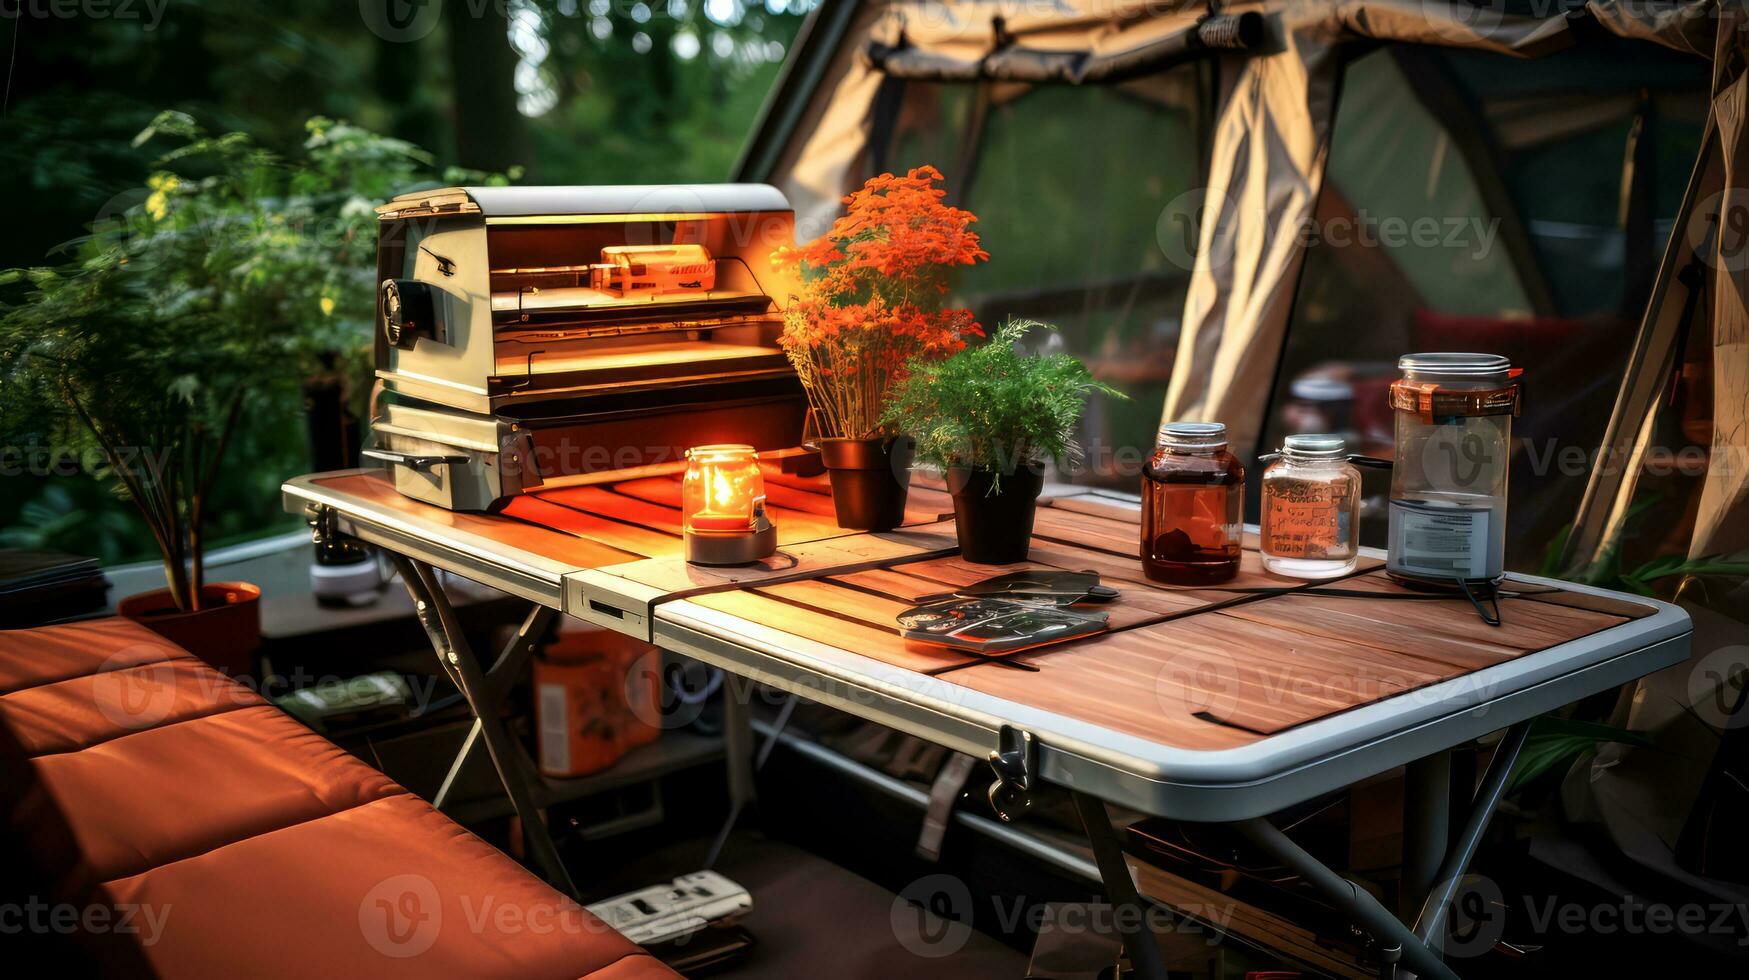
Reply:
x=597 y=695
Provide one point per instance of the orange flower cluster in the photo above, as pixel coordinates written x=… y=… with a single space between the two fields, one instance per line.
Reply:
x=872 y=294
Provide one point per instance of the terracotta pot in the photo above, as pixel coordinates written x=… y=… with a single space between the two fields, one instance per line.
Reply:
x=995 y=528
x=224 y=633
x=870 y=480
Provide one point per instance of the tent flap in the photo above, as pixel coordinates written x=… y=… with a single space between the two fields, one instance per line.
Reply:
x=1722 y=523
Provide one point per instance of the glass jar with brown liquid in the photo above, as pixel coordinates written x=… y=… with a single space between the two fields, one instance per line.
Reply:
x=1193 y=505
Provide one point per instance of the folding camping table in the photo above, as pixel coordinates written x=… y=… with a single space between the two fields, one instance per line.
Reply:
x=1199 y=704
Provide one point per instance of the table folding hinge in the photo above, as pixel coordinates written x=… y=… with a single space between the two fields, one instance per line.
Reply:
x=323 y=529
x=1015 y=763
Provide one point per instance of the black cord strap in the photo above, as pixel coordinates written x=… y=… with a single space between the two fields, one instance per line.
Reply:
x=1486 y=601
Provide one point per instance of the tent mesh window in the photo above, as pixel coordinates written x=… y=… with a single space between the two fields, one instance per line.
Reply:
x=1086 y=199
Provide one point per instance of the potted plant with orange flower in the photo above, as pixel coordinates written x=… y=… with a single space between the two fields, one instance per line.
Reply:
x=872 y=301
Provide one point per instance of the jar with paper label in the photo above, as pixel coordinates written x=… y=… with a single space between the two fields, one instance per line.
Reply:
x=1448 y=485
x=1310 y=519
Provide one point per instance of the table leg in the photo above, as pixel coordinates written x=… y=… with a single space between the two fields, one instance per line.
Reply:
x=485 y=695
x=738 y=752
x=456 y=766
x=499 y=677
x=1426 y=825
x=1129 y=909
x=1393 y=937
x=1430 y=925
x=738 y=741
x=1417 y=949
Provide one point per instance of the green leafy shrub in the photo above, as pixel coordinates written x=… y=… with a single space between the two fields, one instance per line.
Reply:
x=992 y=407
x=186 y=322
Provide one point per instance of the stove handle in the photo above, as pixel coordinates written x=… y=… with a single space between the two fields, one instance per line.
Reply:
x=413 y=461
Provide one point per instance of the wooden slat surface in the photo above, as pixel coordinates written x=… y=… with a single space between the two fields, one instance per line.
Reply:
x=1447 y=629
x=1267 y=665
x=1196 y=667
x=1106 y=534
x=634 y=538
x=377 y=490
x=644 y=503
x=884 y=645
x=891 y=582
x=1597 y=603
x=812 y=559
x=1098 y=505
x=808 y=508
x=603 y=502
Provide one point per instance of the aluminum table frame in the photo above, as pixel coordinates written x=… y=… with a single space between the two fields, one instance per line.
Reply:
x=1239 y=786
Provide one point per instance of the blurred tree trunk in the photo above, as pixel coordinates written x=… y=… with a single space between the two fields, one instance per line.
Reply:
x=397 y=70
x=489 y=133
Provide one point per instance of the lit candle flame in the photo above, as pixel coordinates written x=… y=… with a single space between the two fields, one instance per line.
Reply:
x=722 y=492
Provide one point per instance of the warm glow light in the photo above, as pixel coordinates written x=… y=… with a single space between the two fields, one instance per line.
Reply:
x=723 y=489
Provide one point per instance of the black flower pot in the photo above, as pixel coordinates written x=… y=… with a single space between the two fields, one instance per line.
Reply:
x=995 y=528
x=870 y=480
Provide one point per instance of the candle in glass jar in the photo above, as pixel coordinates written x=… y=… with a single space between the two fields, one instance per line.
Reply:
x=724 y=508
x=722 y=503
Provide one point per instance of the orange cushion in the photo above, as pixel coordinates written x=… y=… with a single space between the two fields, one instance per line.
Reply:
x=79 y=712
x=167 y=793
x=390 y=889
x=42 y=656
x=133 y=776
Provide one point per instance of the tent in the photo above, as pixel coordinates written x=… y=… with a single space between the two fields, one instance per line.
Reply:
x=1278 y=71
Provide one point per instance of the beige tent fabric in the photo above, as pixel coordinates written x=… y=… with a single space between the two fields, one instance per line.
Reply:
x=1266 y=170
x=1270 y=142
x=1688 y=26
x=827 y=162
x=823 y=166
x=1722 y=524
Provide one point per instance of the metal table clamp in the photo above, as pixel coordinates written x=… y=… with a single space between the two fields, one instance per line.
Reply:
x=1014 y=761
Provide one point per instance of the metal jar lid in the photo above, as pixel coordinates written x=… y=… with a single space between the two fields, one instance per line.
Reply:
x=1469 y=367
x=718 y=450
x=1437 y=386
x=1314 y=447
x=1195 y=436
x=1322 y=390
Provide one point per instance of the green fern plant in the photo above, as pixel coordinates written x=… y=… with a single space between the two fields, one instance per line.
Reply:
x=193 y=314
x=992 y=407
x=1609 y=572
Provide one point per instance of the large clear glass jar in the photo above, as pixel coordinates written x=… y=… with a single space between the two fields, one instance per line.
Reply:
x=1310 y=518
x=1193 y=505
x=1448 y=484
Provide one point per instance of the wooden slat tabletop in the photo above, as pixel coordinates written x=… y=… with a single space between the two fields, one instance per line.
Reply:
x=376 y=491
x=636 y=539
x=813 y=559
x=1201 y=667
x=643 y=516
x=1205 y=667
x=799 y=619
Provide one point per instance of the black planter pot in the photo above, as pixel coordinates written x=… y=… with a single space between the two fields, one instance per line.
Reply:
x=995 y=528
x=870 y=480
